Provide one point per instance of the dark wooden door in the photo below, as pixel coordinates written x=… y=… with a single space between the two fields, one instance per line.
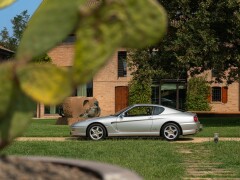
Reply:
x=121 y=97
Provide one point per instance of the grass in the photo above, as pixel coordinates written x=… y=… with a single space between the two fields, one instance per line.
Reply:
x=46 y=128
x=225 y=154
x=226 y=127
x=152 y=159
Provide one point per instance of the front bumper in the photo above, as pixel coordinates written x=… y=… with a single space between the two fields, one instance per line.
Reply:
x=78 y=131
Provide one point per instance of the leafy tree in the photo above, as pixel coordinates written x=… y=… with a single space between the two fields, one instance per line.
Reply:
x=202 y=35
x=19 y=23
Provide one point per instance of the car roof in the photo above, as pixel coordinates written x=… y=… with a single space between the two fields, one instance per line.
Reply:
x=158 y=105
x=147 y=105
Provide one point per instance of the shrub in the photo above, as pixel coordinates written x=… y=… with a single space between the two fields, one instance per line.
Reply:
x=197 y=94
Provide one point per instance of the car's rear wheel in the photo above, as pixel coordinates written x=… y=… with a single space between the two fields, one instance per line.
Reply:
x=96 y=132
x=170 y=131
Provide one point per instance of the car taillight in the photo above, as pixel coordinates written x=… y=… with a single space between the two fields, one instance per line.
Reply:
x=195 y=119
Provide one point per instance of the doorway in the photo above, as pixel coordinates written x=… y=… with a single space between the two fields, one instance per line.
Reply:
x=170 y=94
x=121 y=97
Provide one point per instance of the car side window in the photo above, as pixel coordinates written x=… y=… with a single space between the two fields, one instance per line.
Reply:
x=139 y=111
x=158 y=110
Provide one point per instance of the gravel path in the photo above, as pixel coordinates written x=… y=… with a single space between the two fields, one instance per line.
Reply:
x=181 y=140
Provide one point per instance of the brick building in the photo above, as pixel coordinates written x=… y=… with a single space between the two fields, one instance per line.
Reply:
x=224 y=99
x=110 y=86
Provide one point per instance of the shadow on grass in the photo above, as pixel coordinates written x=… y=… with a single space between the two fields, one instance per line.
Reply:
x=157 y=138
x=220 y=122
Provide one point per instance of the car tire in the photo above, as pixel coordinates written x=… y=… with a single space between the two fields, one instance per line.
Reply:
x=170 y=131
x=96 y=132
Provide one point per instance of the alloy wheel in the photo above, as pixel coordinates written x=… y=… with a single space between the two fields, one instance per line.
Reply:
x=96 y=132
x=171 y=132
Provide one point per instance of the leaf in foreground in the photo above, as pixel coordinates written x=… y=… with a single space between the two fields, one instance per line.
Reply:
x=45 y=83
x=17 y=118
x=6 y=81
x=53 y=21
x=5 y=3
x=97 y=39
x=146 y=23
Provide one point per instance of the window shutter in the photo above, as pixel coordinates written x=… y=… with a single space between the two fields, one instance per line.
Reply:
x=209 y=98
x=224 y=94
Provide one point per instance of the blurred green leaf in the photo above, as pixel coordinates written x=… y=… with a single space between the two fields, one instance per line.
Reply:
x=116 y=24
x=146 y=23
x=6 y=81
x=53 y=21
x=45 y=83
x=4 y=3
x=97 y=39
x=18 y=116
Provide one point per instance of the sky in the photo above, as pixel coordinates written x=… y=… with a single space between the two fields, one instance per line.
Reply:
x=16 y=8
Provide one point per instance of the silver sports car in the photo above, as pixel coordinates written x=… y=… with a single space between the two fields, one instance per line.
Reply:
x=140 y=120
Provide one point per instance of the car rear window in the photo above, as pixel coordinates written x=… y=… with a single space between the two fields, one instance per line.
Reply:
x=158 y=110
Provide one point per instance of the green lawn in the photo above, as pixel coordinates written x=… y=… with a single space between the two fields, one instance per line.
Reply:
x=152 y=159
x=46 y=128
x=221 y=155
x=227 y=153
x=226 y=127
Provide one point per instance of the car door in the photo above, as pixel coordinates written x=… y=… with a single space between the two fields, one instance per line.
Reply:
x=157 y=119
x=136 y=120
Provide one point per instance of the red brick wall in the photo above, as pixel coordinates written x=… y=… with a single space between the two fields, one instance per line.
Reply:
x=62 y=55
x=104 y=84
x=232 y=105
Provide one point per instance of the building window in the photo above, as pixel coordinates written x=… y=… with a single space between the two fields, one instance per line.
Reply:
x=216 y=94
x=90 y=89
x=155 y=94
x=220 y=94
x=122 y=63
x=52 y=109
x=84 y=90
x=70 y=39
x=214 y=73
x=169 y=93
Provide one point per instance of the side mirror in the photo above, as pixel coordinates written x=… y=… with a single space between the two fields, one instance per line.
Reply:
x=122 y=115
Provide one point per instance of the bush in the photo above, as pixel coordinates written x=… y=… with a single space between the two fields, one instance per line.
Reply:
x=140 y=92
x=197 y=94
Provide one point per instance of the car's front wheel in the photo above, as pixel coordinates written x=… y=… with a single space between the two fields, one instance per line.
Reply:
x=96 y=132
x=170 y=131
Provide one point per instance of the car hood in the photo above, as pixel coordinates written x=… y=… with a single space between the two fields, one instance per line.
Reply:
x=91 y=120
